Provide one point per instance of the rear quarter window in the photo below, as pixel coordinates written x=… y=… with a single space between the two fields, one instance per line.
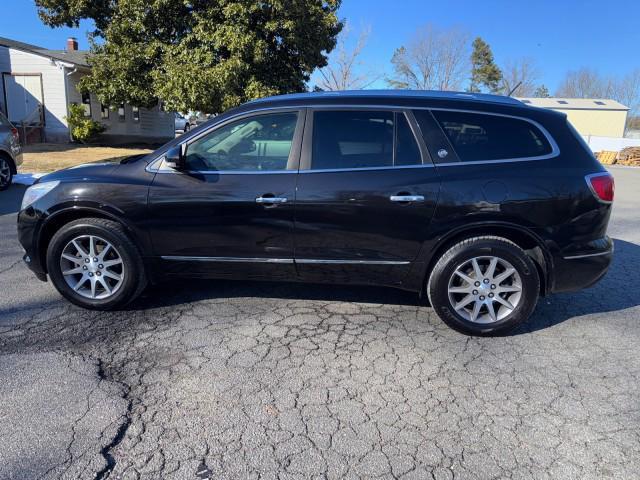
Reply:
x=478 y=137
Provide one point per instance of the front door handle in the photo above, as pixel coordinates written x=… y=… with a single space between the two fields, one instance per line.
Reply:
x=406 y=198
x=270 y=200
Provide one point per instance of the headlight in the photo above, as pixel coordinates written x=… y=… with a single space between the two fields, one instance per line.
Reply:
x=36 y=192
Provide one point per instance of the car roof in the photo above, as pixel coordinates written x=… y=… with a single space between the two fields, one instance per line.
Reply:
x=390 y=95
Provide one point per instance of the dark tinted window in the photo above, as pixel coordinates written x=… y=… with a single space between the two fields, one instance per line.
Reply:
x=361 y=139
x=261 y=142
x=407 y=151
x=3 y=121
x=491 y=137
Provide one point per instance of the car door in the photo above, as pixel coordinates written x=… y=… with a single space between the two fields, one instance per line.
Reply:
x=230 y=212
x=365 y=197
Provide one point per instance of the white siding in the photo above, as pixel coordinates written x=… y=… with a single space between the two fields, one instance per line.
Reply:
x=153 y=125
x=17 y=61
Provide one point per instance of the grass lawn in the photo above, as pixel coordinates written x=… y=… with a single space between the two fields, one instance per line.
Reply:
x=47 y=157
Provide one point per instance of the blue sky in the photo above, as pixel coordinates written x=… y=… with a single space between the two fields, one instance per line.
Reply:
x=559 y=35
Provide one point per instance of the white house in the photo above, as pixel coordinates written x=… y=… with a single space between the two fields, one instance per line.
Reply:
x=38 y=85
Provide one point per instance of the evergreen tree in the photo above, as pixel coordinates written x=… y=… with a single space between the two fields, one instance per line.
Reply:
x=541 y=92
x=485 y=74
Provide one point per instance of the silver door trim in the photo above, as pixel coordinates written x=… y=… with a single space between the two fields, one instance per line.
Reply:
x=183 y=258
x=406 y=198
x=350 y=262
x=587 y=255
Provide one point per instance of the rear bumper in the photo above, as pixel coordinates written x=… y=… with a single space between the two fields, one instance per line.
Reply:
x=582 y=268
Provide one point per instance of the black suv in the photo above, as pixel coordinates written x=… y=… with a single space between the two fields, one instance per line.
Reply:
x=481 y=202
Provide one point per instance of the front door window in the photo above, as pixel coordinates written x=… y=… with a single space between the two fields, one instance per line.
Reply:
x=257 y=143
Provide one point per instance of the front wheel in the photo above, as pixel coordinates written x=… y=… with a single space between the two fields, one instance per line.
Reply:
x=93 y=263
x=484 y=286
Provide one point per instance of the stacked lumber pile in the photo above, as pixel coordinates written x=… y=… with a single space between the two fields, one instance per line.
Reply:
x=629 y=156
x=607 y=157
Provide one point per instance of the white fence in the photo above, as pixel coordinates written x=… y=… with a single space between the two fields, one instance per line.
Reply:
x=611 y=144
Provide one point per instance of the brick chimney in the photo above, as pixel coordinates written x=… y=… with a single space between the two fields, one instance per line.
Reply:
x=72 y=44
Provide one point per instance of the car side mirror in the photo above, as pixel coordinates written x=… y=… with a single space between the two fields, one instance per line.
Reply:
x=174 y=158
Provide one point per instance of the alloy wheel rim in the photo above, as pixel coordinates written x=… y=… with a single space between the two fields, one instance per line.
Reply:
x=5 y=171
x=92 y=267
x=485 y=289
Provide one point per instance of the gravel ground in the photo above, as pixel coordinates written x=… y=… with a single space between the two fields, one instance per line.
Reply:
x=253 y=380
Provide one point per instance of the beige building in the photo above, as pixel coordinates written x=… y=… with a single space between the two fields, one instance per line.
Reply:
x=589 y=116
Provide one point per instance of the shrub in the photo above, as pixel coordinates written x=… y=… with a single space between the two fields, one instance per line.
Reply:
x=82 y=129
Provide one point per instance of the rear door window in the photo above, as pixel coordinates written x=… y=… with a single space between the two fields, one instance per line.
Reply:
x=351 y=139
x=478 y=137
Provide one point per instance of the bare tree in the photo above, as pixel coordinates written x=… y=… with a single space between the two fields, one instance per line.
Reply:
x=434 y=59
x=584 y=83
x=587 y=83
x=519 y=77
x=627 y=91
x=345 y=70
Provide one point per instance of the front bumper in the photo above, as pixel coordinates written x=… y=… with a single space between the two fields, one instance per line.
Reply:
x=29 y=222
x=579 y=269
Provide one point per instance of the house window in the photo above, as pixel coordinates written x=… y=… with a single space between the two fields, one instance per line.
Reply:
x=136 y=114
x=104 y=111
x=86 y=103
x=121 y=116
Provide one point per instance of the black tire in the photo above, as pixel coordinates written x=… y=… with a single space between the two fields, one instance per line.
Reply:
x=187 y=127
x=134 y=280
x=6 y=163
x=438 y=284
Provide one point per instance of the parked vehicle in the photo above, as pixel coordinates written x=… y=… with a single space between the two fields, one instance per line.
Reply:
x=183 y=123
x=479 y=202
x=10 y=152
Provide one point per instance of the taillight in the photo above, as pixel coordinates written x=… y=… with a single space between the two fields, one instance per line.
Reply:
x=16 y=135
x=602 y=186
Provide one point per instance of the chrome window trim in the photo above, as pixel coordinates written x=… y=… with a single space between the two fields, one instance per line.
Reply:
x=281 y=260
x=555 y=150
x=360 y=169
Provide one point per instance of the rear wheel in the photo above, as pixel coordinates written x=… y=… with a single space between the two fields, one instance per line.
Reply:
x=6 y=172
x=484 y=286
x=93 y=263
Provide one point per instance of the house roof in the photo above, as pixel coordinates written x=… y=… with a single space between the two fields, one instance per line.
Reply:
x=575 y=103
x=76 y=57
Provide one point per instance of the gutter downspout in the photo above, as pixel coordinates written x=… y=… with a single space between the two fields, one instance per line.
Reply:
x=64 y=67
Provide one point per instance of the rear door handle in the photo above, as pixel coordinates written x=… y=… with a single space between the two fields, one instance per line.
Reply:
x=406 y=198
x=269 y=200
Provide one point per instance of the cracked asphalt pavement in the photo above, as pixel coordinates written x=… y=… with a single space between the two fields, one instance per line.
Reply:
x=218 y=380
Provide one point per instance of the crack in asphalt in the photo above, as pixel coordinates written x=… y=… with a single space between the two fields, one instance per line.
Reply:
x=246 y=380
x=110 y=461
